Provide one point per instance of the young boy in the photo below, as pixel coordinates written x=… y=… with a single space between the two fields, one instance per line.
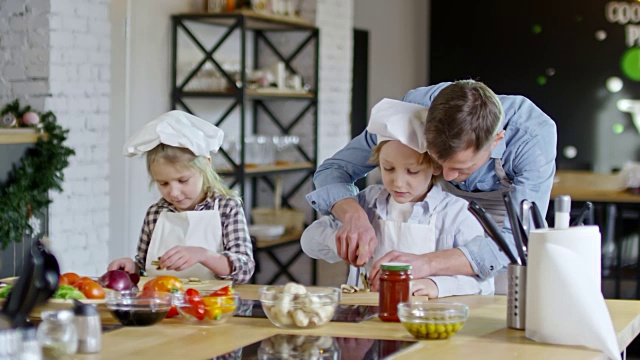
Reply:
x=409 y=212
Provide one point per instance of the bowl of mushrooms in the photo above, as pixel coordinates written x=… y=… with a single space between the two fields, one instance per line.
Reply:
x=294 y=306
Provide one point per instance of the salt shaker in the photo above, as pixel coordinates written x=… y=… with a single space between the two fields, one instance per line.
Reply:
x=57 y=334
x=88 y=327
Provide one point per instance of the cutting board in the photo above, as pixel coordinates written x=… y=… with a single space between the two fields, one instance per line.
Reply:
x=200 y=285
x=369 y=298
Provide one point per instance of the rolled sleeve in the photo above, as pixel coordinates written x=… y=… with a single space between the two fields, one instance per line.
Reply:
x=318 y=240
x=485 y=257
x=457 y=285
x=237 y=243
x=323 y=199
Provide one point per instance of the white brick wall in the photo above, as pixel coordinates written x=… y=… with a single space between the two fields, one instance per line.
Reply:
x=55 y=55
x=79 y=84
x=24 y=54
x=334 y=18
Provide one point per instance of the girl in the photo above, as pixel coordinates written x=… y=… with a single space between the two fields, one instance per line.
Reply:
x=409 y=212
x=198 y=228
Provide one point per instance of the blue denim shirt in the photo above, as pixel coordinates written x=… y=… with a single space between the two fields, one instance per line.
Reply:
x=527 y=152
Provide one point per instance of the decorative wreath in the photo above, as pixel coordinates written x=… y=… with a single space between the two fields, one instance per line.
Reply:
x=26 y=189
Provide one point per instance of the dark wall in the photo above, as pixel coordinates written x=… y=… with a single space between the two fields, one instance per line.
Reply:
x=553 y=52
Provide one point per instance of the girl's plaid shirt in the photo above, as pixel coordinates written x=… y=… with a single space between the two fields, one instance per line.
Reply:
x=235 y=235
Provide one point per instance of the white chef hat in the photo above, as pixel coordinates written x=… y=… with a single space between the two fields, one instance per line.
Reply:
x=399 y=120
x=176 y=128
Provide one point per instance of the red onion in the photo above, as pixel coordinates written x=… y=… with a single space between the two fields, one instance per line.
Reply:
x=116 y=280
x=135 y=278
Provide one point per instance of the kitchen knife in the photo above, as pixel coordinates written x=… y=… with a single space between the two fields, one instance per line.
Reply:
x=492 y=230
x=583 y=212
x=525 y=216
x=516 y=227
x=538 y=220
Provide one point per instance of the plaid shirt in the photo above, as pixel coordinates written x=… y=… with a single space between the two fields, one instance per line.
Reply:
x=235 y=235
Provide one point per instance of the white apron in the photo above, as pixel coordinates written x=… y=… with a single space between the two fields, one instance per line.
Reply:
x=401 y=236
x=187 y=228
x=493 y=203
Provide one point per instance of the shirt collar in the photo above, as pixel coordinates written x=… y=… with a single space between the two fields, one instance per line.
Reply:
x=499 y=150
x=434 y=197
x=205 y=204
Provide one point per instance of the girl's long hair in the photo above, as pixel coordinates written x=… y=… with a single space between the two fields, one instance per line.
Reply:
x=183 y=158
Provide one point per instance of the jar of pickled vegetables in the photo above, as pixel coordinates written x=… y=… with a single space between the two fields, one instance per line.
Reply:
x=395 y=287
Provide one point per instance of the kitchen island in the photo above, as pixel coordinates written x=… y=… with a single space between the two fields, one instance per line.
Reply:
x=484 y=335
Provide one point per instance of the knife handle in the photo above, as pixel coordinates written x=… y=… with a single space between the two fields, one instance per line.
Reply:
x=538 y=220
x=491 y=228
x=516 y=227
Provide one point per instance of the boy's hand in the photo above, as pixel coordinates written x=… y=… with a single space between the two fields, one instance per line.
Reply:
x=424 y=287
x=125 y=264
x=419 y=266
x=180 y=258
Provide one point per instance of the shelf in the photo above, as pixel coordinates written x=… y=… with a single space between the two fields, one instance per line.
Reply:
x=289 y=236
x=254 y=20
x=20 y=136
x=249 y=93
x=265 y=169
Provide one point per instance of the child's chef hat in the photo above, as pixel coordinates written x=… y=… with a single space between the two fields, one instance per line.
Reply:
x=176 y=128
x=399 y=120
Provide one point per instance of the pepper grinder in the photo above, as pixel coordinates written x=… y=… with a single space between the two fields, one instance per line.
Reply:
x=88 y=327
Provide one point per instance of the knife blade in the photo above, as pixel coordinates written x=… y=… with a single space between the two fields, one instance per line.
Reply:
x=364 y=277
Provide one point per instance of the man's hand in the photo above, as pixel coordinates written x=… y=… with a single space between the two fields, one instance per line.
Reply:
x=356 y=239
x=424 y=287
x=419 y=266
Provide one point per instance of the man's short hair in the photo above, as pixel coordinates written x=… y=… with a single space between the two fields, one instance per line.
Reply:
x=465 y=114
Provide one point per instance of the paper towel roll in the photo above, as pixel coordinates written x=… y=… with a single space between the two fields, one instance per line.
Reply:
x=564 y=299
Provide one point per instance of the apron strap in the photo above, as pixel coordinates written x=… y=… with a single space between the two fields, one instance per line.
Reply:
x=504 y=180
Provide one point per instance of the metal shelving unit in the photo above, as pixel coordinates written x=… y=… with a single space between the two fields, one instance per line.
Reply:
x=255 y=106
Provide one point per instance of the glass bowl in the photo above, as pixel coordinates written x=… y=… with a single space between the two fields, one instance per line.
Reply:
x=204 y=309
x=138 y=308
x=432 y=320
x=311 y=309
x=298 y=347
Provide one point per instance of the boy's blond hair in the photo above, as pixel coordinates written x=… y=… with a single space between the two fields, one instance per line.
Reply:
x=184 y=159
x=425 y=158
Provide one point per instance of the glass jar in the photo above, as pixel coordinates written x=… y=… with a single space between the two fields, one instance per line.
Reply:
x=395 y=287
x=57 y=334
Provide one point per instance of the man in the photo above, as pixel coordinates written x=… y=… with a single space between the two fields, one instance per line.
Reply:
x=486 y=144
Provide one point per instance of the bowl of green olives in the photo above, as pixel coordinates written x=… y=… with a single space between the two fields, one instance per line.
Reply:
x=431 y=320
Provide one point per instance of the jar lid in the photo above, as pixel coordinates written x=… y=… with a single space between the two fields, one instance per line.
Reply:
x=81 y=309
x=395 y=266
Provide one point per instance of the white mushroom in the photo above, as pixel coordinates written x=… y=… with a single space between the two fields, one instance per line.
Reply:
x=300 y=318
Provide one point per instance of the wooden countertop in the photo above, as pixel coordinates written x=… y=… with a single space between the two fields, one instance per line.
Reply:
x=484 y=333
x=589 y=186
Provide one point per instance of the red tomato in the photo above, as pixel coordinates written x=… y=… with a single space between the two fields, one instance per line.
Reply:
x=92 y=290
x=196 y=307
x=69 y=278
x=192 y=292
x=225 y=291
x=172 y=312
x=78 y=283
